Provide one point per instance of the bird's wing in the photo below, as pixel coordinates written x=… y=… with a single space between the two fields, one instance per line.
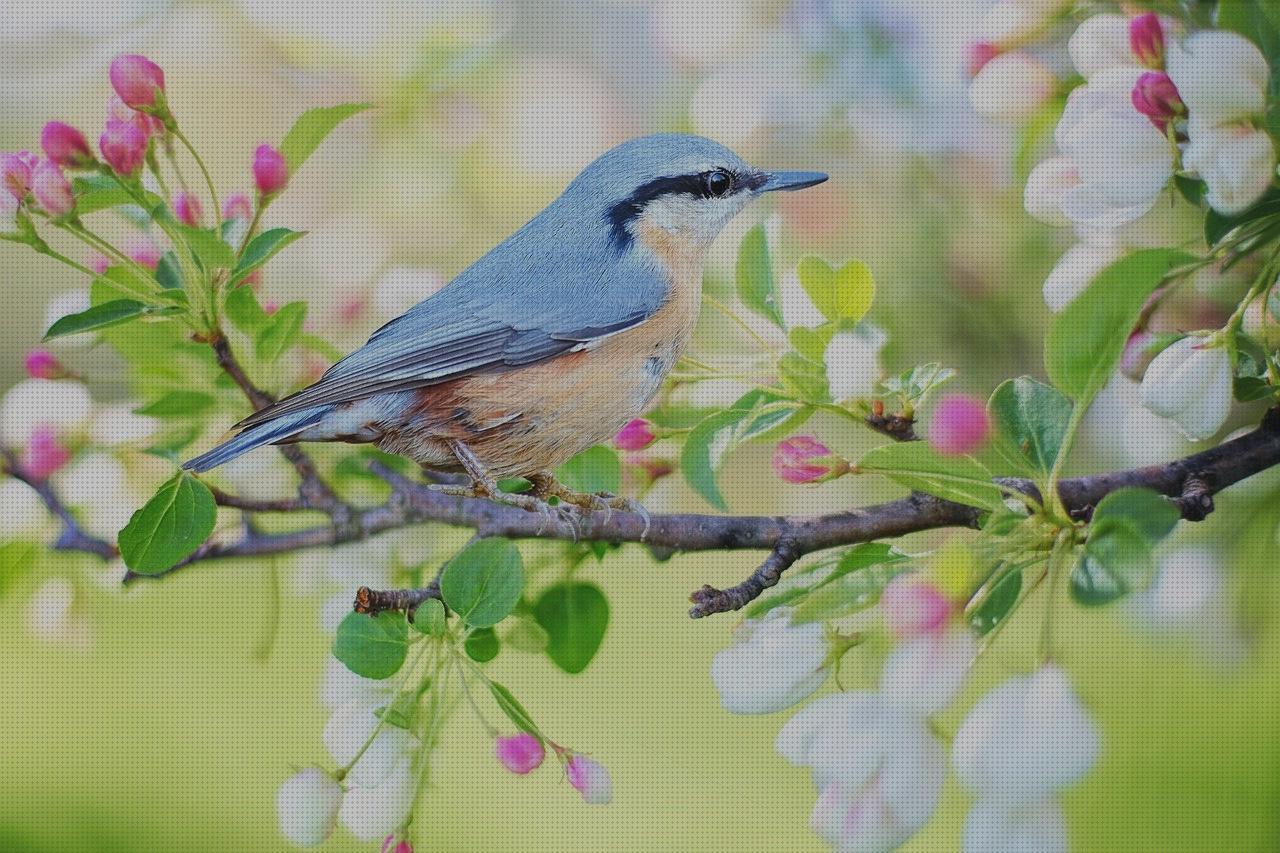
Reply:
x=465 y=329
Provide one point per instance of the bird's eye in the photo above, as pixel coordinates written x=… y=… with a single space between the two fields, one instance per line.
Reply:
x=717 y=183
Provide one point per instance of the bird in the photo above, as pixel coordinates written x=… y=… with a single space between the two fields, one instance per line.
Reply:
x=548 y=344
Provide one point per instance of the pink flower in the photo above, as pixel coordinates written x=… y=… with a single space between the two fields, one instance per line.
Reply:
x=520 y=753
x=44 y=454
x=99 y=263
x=66 y=146
x=123 y=145
x=270 y=172
x=391 y=844
x=804 y=459
x=237 y=206
x=15 y=173
x=960 y=425
x=912 y=606
x=590 y=778
x=187 y=208
x=145 y=253
x=1155 y=96
x=41 y=364
x=137 y=80
x=636 y=435
x=980 y=54
x=51 y=189
x=1146 y=38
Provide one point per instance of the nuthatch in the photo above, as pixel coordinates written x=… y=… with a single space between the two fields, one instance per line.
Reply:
x=548 y=344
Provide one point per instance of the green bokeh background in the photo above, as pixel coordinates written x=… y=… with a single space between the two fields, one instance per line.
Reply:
x=172 y=731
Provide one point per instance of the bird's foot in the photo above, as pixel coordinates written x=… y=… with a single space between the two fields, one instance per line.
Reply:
x=546 y=486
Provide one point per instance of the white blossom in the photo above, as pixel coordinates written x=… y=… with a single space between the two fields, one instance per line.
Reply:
x=370 y=813
x=771 y=665
x=1025 y=740
x=307 y=805
x=853 y=362
x=1190 y=384
x=1047 y=188
x=1038 y=827
x=350 y=728
x=117 y=426
x=923 y=675
x=1099 y=44
x=1076 y=269
x=1236 y=161
x=62 y=404
x=1011 y=86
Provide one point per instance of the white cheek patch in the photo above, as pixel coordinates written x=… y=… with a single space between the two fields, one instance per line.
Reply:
x=702 y=218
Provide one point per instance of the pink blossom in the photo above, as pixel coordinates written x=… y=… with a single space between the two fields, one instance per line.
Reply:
x=51 y=189
x=590 y=778
x=391 y=844
x=636 y=435
x=1155 y=96
x=44 y=454
x=520 y=753
x=960 y=425
x=118 y=109
x=912 y=606
x=145 y=253
x=804 y=459
x=187 y=208
x=980 y=54
x=123 y=145
x=99 y=263
x=270 y=172
x=137 y=80
x=66 y=146
x=15 y=173
x=1146 y=38
x=41 y=364
x=237 y=206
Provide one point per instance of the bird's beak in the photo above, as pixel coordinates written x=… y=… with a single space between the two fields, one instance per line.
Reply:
x=791 y=180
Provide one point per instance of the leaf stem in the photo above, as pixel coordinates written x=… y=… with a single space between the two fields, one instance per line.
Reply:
x=253 y=227
x=213 y=193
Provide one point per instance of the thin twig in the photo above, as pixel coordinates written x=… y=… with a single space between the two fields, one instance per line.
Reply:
x=72 y=537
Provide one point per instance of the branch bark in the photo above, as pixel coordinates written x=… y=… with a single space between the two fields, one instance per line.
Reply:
x=72 y=537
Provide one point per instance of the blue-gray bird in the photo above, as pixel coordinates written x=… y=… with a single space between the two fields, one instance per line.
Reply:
x=548 y=344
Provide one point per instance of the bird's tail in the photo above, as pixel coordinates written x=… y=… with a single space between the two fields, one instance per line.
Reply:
x=273 y=431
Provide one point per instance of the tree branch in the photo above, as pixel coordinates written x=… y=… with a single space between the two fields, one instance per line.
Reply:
x=72 y=537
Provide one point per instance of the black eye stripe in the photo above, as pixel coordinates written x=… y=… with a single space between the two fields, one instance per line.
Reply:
x=622 y=214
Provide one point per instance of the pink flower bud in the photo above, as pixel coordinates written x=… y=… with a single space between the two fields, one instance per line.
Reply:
x=654 y=468
x=590 y=778
x=44 y=454
x=520 y=753
x=980 y=54
x=804 y=459
x=391 y=844
x=187 y=208
x=41 y=364
x=66 y=146
x=123 y=145
x=237 y=206
x=15 y=174
x=51 y=189
x=1156 y=97
x=118 y=109
x=270 y=172
x=99 y=263
x=636 y=435
x=912 y=606
x=145 y=253
x=1146 y=38
x=960 y=425
x=137 y=80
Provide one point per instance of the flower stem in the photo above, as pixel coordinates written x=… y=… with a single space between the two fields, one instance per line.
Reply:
x=213 y=193
x=253 y=226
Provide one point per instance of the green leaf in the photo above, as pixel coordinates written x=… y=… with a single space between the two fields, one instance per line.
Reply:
x=998 y=603
x=1087 y=338
x=847 y=594
x=401 y=713
x=596 y=469
x=483 y=582
x=756 y=286
x=918 y=466
x=515 y=712
x=1033 y=417
x=372 y=646
x=912 y=385
x=855 y=559
x=128 y=283
x=807 y=379
x=169 y=527
x=103 y=316
x=812 y=343
x=526 y=635
x=98 y=192
x=482 y=645
x=168 y=273
x=16 y=558
x=245 y=312
x=1115 y=561
x=430 y=619
x=210 y=250
x=575 y=616
x=1219 y=225
x=281 y=331
x=842 y=295
x=177 y=404
x=310 y=130
x=703 y=450
x=1148 y=512
x=260 y=250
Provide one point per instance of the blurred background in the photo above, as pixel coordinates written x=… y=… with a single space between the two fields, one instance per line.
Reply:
x=164 y=717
